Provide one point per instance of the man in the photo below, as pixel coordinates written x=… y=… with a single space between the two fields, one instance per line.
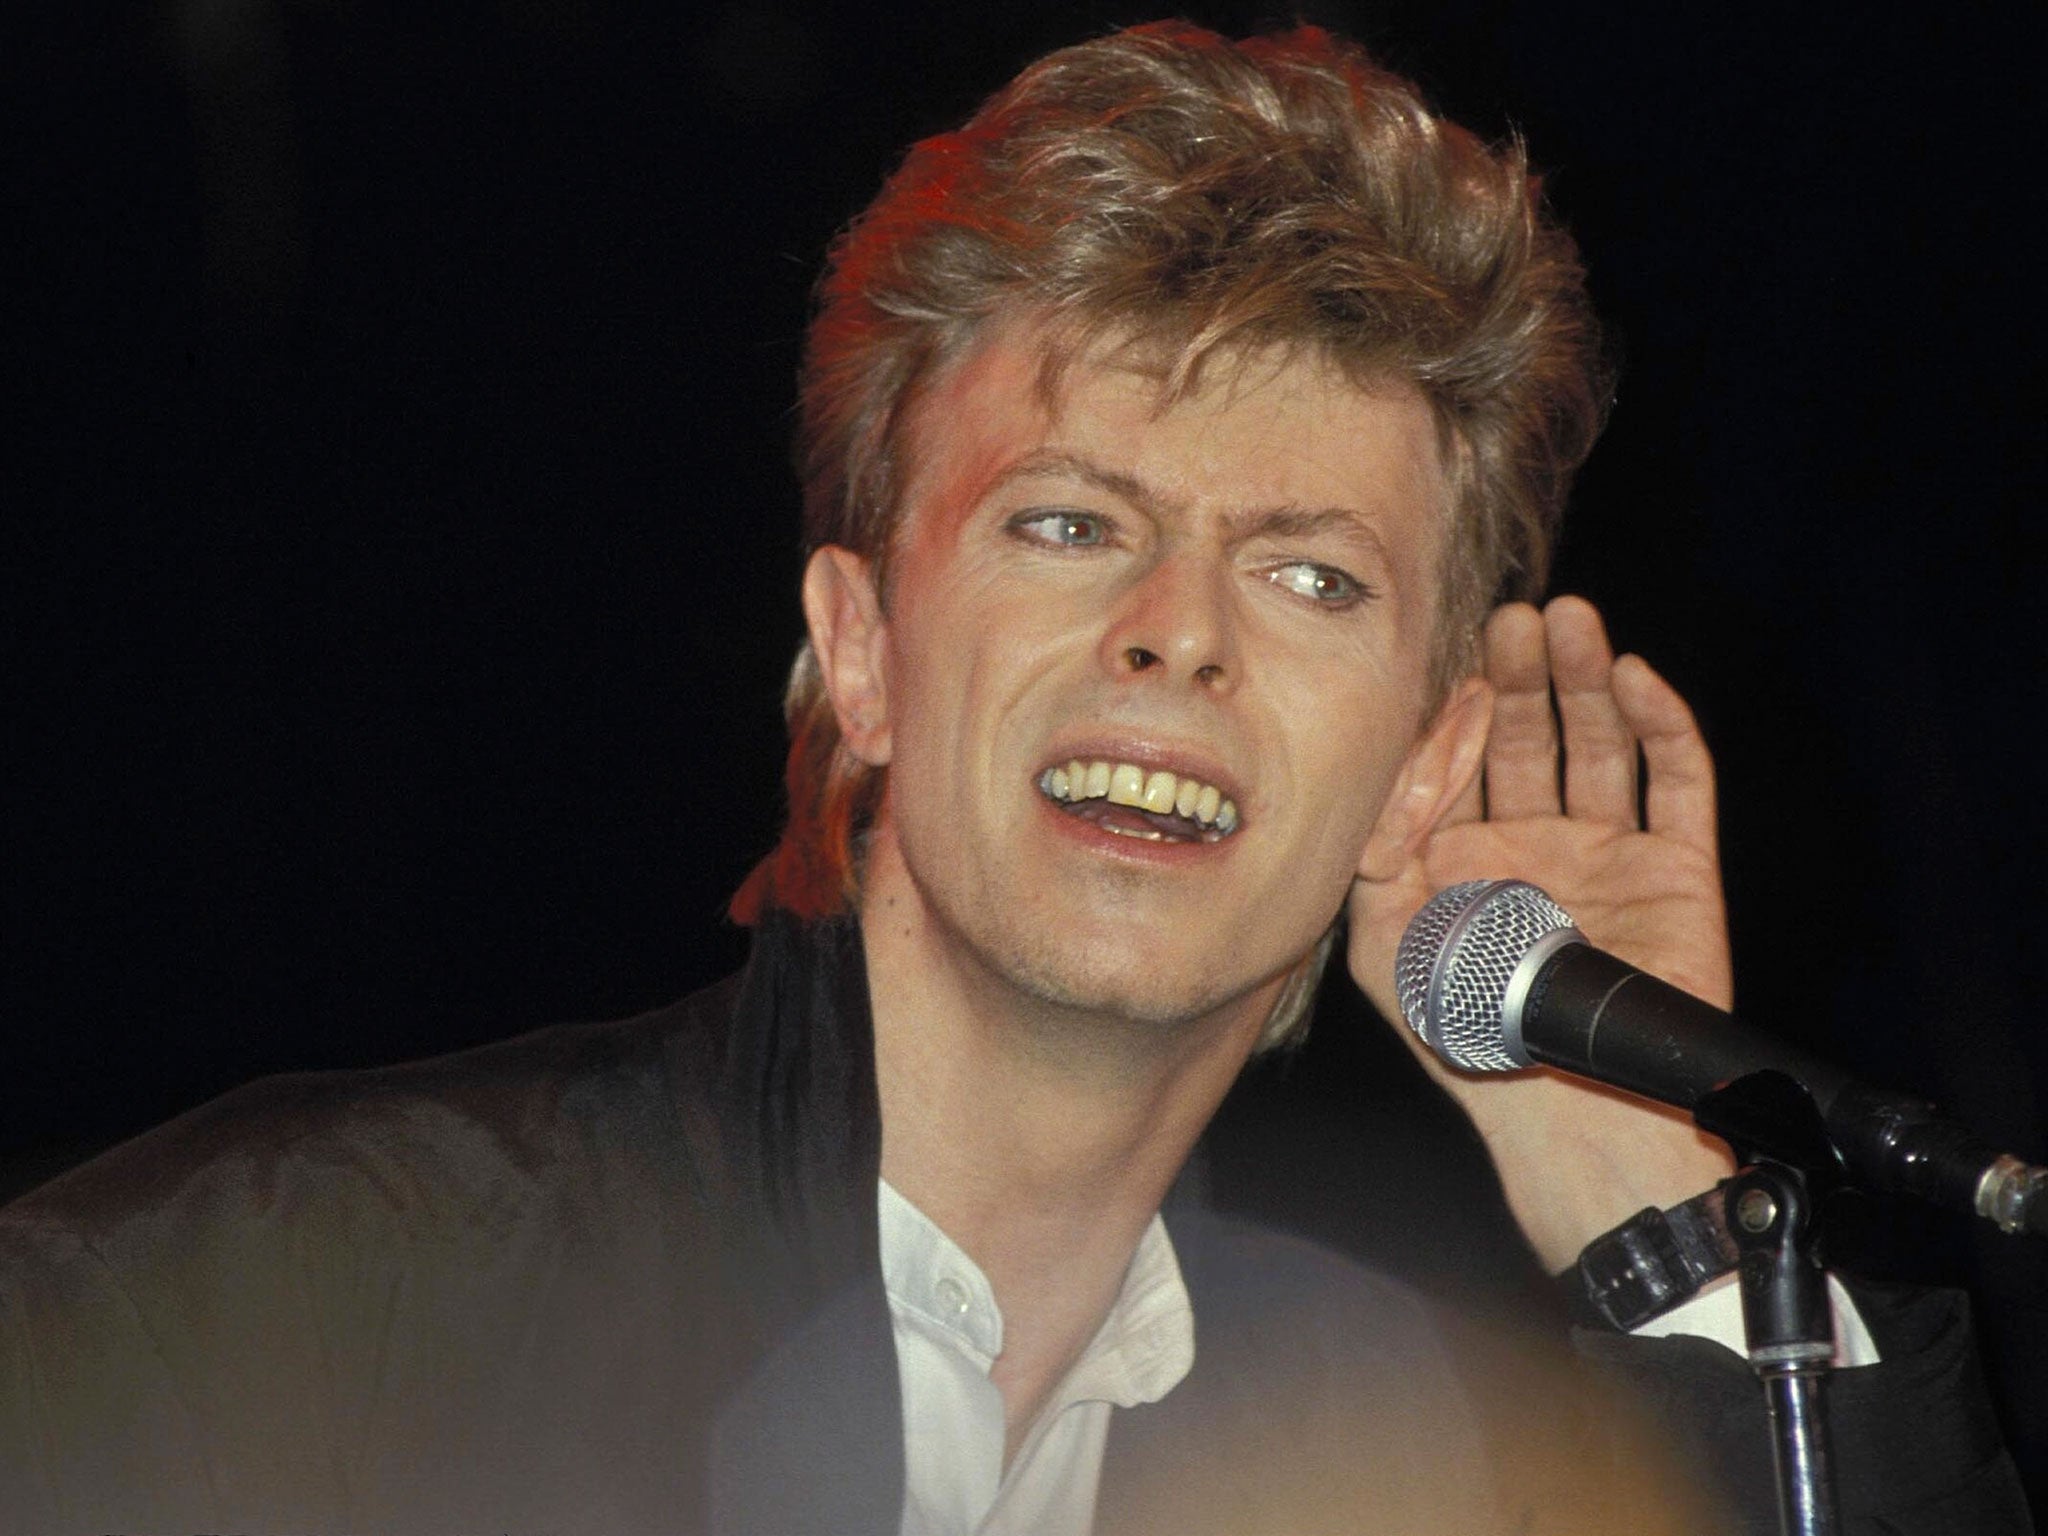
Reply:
x=1169 y=433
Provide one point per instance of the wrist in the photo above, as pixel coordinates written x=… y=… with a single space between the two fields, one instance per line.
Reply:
x=1587 y=1159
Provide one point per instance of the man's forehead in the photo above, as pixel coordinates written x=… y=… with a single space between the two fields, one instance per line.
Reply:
x=1016 y=381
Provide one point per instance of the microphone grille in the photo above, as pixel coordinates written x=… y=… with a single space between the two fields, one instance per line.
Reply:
x=1456 y=962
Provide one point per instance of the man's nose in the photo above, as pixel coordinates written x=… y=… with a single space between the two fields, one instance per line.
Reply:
x=1176 y=624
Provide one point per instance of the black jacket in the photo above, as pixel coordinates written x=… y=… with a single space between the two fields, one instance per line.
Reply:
x=623 y=1277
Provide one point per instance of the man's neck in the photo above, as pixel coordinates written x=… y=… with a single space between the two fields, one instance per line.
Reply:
x=1042 y=1141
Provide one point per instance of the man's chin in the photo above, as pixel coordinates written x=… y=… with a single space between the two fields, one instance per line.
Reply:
x=1098 y=982
x=1111 y=957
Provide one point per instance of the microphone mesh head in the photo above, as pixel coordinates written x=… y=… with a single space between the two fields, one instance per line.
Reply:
x=1456 y=961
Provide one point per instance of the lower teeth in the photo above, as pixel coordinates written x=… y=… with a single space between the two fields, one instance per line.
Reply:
x=1149 y=834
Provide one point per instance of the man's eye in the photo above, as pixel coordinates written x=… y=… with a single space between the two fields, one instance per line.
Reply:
x=1067 y=529
x=1319 y=583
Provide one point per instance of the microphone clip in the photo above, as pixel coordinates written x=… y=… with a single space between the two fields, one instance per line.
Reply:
x=1771 y=1114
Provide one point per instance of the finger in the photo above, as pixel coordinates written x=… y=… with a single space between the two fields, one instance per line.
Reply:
x=1599 y=746
x=1680 y=799
x=1521 y=752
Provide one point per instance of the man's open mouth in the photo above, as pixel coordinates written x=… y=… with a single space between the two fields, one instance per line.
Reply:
x=1149 y=804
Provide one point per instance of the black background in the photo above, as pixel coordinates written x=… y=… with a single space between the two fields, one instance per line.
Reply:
x=401 y=552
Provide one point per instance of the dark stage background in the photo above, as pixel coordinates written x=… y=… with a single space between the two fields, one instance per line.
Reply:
x=401 y=552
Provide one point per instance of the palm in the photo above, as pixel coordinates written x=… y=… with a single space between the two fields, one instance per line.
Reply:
x=1648 y=897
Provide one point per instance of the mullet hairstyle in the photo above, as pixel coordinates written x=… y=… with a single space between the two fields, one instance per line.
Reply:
x=1204 y=200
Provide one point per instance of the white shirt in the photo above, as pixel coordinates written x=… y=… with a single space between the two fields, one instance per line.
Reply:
x=949 y=1332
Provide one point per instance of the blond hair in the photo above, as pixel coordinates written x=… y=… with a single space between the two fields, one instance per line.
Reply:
x=1207 y=198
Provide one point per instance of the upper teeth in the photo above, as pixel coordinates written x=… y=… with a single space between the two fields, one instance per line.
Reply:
x=1149 y=790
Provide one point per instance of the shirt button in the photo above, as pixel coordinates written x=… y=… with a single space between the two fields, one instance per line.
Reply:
x=952 y=1295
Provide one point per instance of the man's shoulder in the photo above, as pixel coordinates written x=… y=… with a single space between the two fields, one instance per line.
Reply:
x=341 y=1178
x=417 y=1132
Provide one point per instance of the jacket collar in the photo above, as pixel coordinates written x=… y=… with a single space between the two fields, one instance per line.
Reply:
x=799 y=1109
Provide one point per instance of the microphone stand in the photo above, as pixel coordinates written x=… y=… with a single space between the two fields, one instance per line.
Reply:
x=1778 y=1134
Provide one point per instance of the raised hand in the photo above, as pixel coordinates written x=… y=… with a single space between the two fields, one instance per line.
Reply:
x=1633 y=860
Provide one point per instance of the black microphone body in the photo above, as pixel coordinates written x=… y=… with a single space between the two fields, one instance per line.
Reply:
x=1493 y=975
x=1592 y=1014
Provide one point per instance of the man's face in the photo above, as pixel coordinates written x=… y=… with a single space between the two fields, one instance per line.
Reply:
x=1223 y=607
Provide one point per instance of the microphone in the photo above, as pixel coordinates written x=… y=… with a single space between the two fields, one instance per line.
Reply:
x=1493 y=976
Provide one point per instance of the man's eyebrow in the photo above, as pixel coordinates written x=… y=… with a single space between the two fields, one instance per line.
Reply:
x=1058 y=461
x=1296 y=522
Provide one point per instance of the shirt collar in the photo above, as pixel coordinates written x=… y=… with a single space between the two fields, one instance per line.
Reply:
x=1144 y=1348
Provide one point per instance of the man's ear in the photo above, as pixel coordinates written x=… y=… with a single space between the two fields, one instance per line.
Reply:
x=848 y=634
x=1442 y=766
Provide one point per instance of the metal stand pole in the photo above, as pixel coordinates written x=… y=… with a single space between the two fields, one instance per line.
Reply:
x=1791 y=1337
